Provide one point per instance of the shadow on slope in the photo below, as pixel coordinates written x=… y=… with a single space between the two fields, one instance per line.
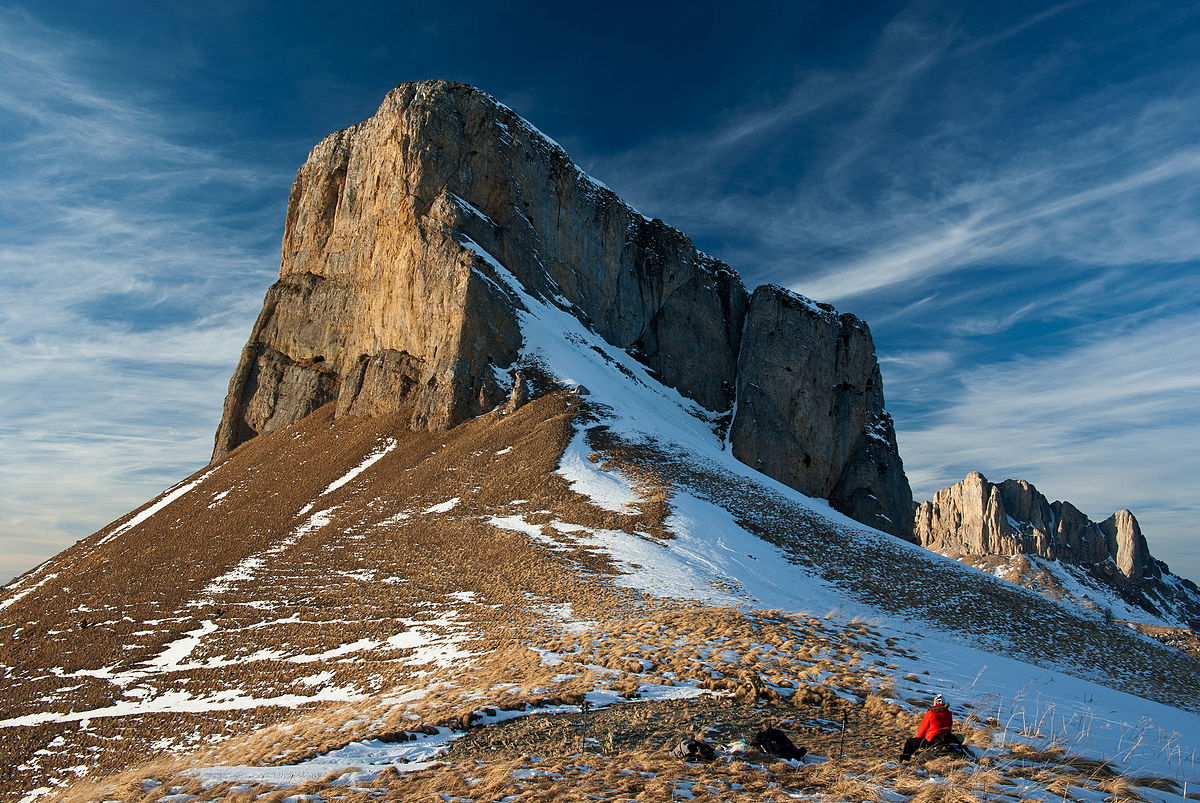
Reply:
x=901 y=580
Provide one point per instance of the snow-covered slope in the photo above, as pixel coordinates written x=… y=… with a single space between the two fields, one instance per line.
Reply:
x=350 y=593
x=1076 y=585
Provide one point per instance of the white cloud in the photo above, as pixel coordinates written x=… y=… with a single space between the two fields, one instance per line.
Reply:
x=133 y=260
x=1003 y=225
x=1109 y=424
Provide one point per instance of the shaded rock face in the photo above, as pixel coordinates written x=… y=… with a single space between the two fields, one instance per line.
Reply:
x=810 y=409
x=384 y=302
x=978 y=518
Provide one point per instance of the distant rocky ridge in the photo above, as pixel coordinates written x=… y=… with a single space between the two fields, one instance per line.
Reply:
x=976 y=519
x=384 y=300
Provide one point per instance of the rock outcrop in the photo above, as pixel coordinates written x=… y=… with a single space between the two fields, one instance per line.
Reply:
x=976 y=519
x=1127 y=546
x=810 y=409
x=384 y=302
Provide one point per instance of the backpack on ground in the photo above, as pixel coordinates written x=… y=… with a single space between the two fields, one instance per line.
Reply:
x=694 y=750
x=776 y=743
x=949 y=744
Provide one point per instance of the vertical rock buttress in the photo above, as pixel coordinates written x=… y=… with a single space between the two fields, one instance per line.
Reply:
x=383 y=305
x=810 y=409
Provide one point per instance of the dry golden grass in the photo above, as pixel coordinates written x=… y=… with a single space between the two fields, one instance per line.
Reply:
x=1155 y=782
x=1041 y=755
x=1119 y=787
x=850 y=788
x=380 y=565
x=935 y=792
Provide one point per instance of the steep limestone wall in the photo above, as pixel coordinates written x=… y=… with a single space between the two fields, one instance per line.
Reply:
x=381 y=306
x=810 y=409
x=372 y=264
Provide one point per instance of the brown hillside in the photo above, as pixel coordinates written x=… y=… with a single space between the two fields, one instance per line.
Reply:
x=263 y=617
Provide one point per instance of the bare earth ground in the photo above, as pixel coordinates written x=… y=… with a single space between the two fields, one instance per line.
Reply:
x=278 y=610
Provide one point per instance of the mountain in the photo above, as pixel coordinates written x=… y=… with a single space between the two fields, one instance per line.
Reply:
x=390 y=295
x=1011 y=530
x=498 y=447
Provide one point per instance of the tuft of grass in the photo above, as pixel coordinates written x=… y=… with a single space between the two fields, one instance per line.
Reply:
x=1120 y=787
x=935 y=792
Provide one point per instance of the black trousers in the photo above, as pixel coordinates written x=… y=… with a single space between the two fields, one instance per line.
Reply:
x=916 y=743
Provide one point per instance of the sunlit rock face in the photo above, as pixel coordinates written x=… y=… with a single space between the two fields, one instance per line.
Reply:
x=388 y=297
x=379 y=299
x=1127 y=546
x=982 y=518
x=976 y=519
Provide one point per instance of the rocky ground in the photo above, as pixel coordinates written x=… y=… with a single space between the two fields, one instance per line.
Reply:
x=623 y=756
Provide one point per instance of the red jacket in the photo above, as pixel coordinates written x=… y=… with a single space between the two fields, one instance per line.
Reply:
x=935 y=722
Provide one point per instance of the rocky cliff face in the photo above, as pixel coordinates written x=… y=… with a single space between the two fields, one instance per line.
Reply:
x=810 y=409
x=976 y=519
x=385 y=303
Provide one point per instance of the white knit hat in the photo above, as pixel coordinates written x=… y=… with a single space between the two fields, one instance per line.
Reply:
x=939 y=699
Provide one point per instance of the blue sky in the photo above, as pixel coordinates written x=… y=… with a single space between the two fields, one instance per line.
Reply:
x=1008 y=193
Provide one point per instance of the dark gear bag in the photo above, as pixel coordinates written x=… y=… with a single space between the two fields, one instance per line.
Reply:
x=776 y=743
x=949 y=744
x=694 y=750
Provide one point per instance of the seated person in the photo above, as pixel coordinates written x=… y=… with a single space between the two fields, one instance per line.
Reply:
x=936 y=728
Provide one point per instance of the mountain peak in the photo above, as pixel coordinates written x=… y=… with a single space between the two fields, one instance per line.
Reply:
x=979 y=522
x=411 y=236
x=499 y=446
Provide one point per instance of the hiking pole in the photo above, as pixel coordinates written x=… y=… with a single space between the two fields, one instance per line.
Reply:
x=842 y=740
x=583 y=707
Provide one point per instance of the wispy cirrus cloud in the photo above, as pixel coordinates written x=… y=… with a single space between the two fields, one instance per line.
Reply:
x=132 y=253
x=1108 y=424
x=1116 y=222
x=1016 y=212
x=916 y=164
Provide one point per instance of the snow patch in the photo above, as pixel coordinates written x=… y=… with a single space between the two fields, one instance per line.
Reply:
x=443 y=507
x=608 y=490
x=378 y=755
x=374 y=457
x=17 y=596
x=182 y=702
x=336 y=652
x=317 y=679
x=516 y=524
x=467 y=206
x=165 y=500
x=169 y=659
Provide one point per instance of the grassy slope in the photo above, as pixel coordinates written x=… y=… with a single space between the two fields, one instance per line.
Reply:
x=312 y=608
